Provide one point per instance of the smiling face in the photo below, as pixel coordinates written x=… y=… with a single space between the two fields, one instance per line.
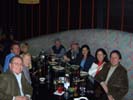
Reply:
x=24 y=49
x=114 y=59
x=74 y=46
x=15 y=49
x=100 y=56
x=16 y=65
x=27 y=60
x=57 y=44
x=85 y=51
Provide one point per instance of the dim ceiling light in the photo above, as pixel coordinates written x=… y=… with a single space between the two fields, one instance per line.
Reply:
x=28 y=1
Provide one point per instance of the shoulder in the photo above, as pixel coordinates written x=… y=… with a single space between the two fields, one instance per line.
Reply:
x=122 y=68
x=53 y=46
x=10 y=55
x=6 y=76
x=106 y=66
x=69 y=51
x=62 y=47
x=90 y=57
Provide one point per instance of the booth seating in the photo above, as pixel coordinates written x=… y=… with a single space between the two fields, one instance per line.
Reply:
x=95 y=38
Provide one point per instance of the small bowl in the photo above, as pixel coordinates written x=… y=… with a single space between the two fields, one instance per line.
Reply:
x=42 y=79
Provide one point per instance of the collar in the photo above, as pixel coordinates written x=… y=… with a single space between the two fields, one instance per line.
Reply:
x=18 y=75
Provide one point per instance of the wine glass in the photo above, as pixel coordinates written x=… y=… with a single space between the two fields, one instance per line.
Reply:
x=82 y=89
x=55 y=83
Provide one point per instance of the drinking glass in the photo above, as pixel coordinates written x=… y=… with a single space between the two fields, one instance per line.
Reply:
x=82 y=90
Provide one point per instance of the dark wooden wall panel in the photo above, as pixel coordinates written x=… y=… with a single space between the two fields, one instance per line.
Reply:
x=50 y=16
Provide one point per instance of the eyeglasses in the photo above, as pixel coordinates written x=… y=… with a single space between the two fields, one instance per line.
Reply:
x=17 y=64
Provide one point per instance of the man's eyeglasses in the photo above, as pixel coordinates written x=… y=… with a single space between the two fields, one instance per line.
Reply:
x=17 y=64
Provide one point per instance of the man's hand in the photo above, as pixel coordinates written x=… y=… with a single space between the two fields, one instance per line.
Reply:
x=66 y=59
x=110 y=97
x=22 y=98
x=104 y=86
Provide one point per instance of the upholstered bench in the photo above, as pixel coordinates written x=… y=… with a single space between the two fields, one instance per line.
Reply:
x=95 y=38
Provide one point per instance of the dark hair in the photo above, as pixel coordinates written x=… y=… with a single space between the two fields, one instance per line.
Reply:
x=16 y=56
x=87 y=47
x=117 y=52
x=14 y=43
x=104 y=52
x=57 y=39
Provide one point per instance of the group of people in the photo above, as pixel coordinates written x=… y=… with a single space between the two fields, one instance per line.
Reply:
x=15 y=81
x=108 y=72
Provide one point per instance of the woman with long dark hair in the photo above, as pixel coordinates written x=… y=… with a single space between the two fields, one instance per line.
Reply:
x=86 y=59
x=101 y=59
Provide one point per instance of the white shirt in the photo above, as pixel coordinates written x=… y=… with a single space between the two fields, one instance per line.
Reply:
x=18 y=77
x=111 y=71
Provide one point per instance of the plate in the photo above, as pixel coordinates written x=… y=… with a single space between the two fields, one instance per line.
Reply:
x=42 y=79
x=83 y=73
x=58 y=68
x=52 y=62
x=75 y=67
x=81 y=98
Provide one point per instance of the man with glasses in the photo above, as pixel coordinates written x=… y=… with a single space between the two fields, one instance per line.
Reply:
x=13 y=85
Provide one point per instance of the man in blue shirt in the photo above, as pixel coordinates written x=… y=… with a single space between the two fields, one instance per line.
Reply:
x=15 y=50
x=58 y=49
